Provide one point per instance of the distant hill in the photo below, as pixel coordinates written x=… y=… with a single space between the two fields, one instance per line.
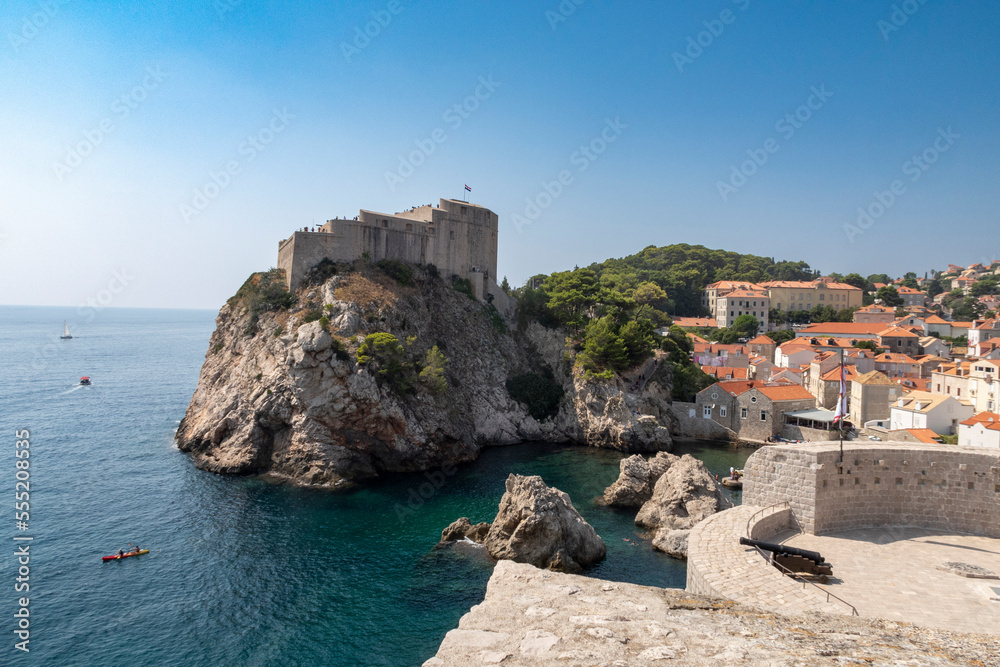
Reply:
x=683 y=270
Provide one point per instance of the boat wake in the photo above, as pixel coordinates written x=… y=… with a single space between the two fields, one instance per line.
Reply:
x=70 y=391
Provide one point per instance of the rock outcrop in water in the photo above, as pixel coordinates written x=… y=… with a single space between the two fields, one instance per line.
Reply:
x=463 y=529
x=538 y=524
x=285 y=397
x=673 y=493
x=684 y=494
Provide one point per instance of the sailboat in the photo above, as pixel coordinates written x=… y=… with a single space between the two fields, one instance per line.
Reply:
x=66 y=335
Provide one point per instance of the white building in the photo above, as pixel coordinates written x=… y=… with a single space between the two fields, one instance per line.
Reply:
x=921 y=409
x=982 y=430
x=742 y=302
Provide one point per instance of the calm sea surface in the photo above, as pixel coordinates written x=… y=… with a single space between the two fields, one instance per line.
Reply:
x=240 y=572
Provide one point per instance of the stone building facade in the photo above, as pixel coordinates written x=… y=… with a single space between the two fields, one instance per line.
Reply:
x=458 y=237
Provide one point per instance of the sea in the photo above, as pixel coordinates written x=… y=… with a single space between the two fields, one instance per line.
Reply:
x=240 y=571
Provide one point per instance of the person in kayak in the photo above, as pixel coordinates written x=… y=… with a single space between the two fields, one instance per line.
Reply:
x=121 y=553
x=135 y=549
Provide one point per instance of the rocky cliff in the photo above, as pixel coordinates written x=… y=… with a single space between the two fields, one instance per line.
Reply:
x=282 y=393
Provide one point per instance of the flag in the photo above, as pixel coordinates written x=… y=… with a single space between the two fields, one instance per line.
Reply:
x=468 y=189
x=841 y=397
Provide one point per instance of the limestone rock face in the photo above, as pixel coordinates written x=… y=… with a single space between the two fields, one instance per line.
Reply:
x=537 y=524
x=636 y=480
x=287 y=399
x=463 y=528
x=684 y=495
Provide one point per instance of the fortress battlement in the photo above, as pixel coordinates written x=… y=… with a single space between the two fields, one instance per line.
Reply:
x=459 y=238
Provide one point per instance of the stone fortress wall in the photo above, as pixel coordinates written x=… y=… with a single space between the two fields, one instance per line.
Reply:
x=941 y=487
x=458 y=237
x=805 y=487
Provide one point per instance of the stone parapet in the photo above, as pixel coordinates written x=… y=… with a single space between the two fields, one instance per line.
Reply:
x=940 y=487
x=719 y=566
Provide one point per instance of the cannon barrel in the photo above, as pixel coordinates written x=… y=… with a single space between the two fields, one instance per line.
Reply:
x=782 y=549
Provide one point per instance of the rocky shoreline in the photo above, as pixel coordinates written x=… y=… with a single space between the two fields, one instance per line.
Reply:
x=282 y=394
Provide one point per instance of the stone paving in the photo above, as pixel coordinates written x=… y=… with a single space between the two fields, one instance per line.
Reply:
x=892 y=573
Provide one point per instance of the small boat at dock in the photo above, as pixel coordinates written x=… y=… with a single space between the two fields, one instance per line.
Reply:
x=731 y=483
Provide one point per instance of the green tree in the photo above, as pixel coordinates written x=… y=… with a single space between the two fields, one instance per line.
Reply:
x=869 y=345
x=603 y=348
x=638 y=337
x=432 y=374
x=746 y=326
x=781 y=336
x=505 y=286
x=933 y=287
x=648 y=294
x=983 y=286
x=879 y=278
x=571 y=293
x=856 y=280
x=383 y=353
x=889 y=296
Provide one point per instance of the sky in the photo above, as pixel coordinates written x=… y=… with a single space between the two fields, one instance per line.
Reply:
x=153 y=154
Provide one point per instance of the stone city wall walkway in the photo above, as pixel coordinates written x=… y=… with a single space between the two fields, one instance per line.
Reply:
x=718 y=565
x=892 y=572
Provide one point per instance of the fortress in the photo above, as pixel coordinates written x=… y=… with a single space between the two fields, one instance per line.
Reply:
x=459 y=238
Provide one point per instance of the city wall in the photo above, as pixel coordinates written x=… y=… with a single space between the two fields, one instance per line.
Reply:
x=940 y=487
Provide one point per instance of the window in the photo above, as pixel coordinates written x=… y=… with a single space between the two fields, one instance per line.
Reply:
x=385 y=223
x=753 y=399
x=409 y=227
x=722 y=411
x=451 y=234
x=464 y=210
x=707 y=412
x=743 y=413
x=763 y=415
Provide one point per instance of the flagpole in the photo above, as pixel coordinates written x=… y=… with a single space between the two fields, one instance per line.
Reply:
x=842 y=398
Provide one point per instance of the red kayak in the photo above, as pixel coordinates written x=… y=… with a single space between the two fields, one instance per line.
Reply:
x=126 y=555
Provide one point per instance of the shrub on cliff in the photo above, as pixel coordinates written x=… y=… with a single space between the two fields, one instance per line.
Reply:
x=464 y=286
x=397 y=270
x=540 y=393
x=320 y=273
x=383 y=353
x=432 y=374
x=261 y=293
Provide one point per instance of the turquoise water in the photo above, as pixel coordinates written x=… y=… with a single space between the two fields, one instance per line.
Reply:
x=240 y=572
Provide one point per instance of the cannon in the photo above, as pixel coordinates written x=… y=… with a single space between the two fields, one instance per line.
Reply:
x=793 y=559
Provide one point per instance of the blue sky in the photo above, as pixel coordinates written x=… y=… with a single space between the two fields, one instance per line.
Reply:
x=212 y=129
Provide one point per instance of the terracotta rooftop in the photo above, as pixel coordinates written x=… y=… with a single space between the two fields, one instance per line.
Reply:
x=833 y=375
x=874 y=378
x=925 y=435
x=695 y=322
x=762 y=340
x=982 y=417
x=897 y=332
x=789 y=392
x=841 y=328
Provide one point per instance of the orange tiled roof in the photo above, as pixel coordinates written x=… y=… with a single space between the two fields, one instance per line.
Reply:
x=982 y=417
x=925 y=435
x=812 y=284
x=833 y=375
x=897 y=332
x=790 y=392
x=762 y=340
x=724 y=372
x=841 y=328
x=695 y=322
x=895 y=358
x=934 y=319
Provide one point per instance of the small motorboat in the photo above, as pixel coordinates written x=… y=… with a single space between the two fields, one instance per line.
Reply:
x=125 y=555
x=732 y=483
x=65 y=335
x=85 y=380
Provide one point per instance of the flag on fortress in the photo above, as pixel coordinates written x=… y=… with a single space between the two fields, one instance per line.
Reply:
x=468 y=189
x=841 y=397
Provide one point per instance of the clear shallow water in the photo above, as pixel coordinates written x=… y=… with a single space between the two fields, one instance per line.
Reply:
x=241 y=572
